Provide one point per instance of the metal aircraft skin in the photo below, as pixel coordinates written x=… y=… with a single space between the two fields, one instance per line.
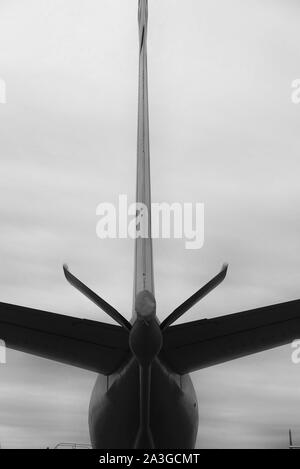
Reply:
x=143 y=396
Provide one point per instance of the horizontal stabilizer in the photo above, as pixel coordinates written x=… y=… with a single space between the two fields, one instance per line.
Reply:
x=200 y=344
x=91 y=345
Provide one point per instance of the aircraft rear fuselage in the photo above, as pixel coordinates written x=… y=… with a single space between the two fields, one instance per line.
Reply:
x=114 y=409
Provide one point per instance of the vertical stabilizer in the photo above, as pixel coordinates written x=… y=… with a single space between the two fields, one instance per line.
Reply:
x=143 y=268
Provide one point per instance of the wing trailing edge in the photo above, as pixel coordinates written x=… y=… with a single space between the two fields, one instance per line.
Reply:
x=199 y=344
x=94 y=346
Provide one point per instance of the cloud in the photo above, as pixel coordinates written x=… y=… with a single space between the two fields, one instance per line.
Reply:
x=223 y=132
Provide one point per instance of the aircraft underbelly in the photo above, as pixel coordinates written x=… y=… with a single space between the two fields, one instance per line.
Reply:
x=114 y=410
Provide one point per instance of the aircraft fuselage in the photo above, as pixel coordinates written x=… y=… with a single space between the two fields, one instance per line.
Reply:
x=114 y=409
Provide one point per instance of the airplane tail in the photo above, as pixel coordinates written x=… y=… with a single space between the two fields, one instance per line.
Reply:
x=181 y=348
x=143 y=257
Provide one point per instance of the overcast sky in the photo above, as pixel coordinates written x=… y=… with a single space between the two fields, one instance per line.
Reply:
x=223 y=132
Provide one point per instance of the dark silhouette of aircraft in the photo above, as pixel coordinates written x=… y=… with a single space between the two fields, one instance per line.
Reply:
x=143 y=396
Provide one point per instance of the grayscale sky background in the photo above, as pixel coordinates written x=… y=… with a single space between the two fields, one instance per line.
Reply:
x=223 y=132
